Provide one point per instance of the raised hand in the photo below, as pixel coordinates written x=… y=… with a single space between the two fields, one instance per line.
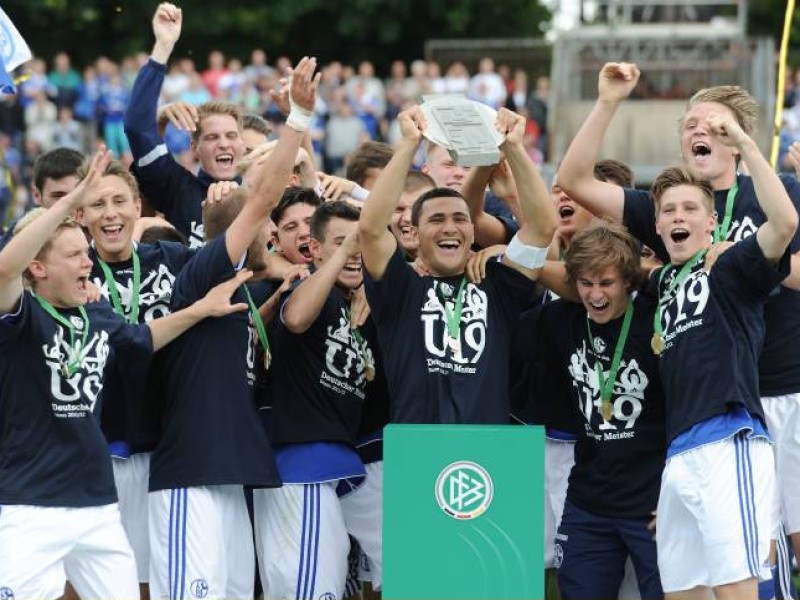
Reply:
x=511 y=125
x=726 y=129
x=167 y=23
x=412 y=124
x=616 y=81
x=181 y=114
x=303 y=83
x=88 y=185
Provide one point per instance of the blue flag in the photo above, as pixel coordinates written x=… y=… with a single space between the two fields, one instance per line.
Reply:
x=13 y=52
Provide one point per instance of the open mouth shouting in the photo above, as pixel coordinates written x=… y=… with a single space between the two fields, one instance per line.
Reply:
x=305 y=252
x=679 y=235
x=224 y=160
x=565 y=212
x=449 y=247
x=112 y=233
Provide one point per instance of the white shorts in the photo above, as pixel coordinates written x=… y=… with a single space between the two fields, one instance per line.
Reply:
x=783 y=422
x=201 y=544
x=363 y=516
x=559 y=458
x=42 y=547
x=714 y=514
x=131 y=476
x=301 y=540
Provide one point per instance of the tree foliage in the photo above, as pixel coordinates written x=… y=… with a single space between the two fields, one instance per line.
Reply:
x=351 y=30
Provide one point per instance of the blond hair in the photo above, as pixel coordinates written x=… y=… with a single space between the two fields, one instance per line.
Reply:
x=216 y=107
x=113 y=168
x=676 y=176
x=743 y=106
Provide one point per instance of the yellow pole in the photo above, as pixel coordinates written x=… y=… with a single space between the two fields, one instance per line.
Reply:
x=776 y=133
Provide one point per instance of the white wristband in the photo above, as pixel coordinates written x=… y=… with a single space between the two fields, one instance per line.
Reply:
x=299 y=118
x=526 y=256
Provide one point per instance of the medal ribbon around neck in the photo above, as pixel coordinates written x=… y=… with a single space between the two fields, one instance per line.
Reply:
x=258 y=322
x=70 y=368
x=607 y=385
x=369 y=364
x=453 y=317
x=722 y=229
x=113 y=290
x=663 y=298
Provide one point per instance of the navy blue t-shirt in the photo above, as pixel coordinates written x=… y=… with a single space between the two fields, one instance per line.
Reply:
x=211 y=432
x=618 y=463
x=134 y=418
x=713 y=328
x=52 y=452
x=319 y=377
x=779 y=364
x=428 y=381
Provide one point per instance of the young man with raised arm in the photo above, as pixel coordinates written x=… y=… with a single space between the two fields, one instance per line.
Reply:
x=59 y=516
x=216 y=138
x=136 y=279
x=446 y=341
x=718 y=483
x=212 y=442
x=739 y=215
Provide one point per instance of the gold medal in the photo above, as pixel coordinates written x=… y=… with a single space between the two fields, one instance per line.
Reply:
x=657 y=344
x=605 y=410
x=65 y=371
x=369 y=371
x=267 y=359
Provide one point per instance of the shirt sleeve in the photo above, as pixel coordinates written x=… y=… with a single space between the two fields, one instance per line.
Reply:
x=387 y=296
x=746 y=271
x=639 y=216
x=209 y=267
x=157 y=173
x=12 y=323
x=512 y=289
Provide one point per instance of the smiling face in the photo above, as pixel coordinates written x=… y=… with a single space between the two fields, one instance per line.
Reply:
x=443 y=169
x=294 y=233
x=685 y=221
x=401 y=226
x=445 y=233
x=706 y=157
x=219 y=146
x=61 y=272
x=604 y=294
x=110 y=216
x=351 y=276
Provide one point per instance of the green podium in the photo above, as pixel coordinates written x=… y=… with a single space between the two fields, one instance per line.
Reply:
x=463 y=512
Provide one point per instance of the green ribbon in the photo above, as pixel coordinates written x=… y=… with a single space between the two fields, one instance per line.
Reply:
x=722 y=229
x=607 y=385
x=113 y=289
x=258 y=322
x=453 y=317
x=69 y=369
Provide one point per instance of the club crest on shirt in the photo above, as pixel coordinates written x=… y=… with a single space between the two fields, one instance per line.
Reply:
x=345 y=358
x=445 y=356
x=76 y=395
x=626 y=400
x=741 y=230
x=155 y=292
x=197 y=235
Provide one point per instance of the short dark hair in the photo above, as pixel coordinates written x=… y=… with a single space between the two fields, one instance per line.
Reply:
x=338 y=209
x=369 y=155
x=439 y=192
x=291 y=196
x=614 y=171
x=56 y=164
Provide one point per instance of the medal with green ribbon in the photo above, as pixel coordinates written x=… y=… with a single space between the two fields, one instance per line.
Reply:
x=453 y=316
x=657 y=343
x=369 y=364
x=258 y=323
x=75 y=357
x=722 y=229
x=113 y=288
x=607 y=385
